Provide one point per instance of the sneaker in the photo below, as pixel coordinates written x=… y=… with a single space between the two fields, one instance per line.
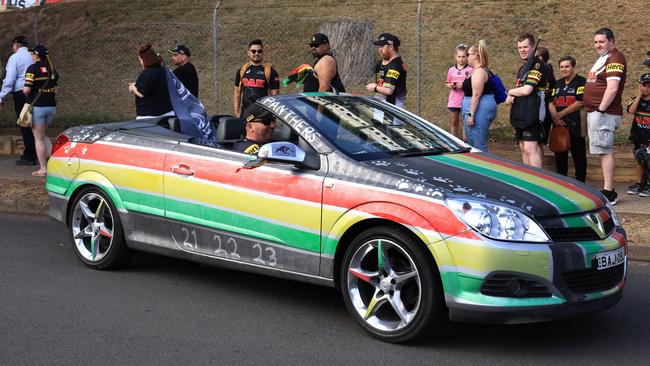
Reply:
x=611 y=196
x=634 y=189
x=644 y=192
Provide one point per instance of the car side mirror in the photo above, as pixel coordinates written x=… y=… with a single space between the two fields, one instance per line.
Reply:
x=279 y=152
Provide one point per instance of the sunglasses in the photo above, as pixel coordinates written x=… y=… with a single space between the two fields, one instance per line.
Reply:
x=256 y=51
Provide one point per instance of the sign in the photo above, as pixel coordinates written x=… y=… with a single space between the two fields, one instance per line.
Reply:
x=22 y=4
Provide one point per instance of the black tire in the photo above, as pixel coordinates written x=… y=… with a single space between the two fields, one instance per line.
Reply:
x=411 y=272
x=93 y=217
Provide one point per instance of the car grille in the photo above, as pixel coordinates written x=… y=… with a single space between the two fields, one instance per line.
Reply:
x=592 y=280
x=512 y=285
x=565 y=234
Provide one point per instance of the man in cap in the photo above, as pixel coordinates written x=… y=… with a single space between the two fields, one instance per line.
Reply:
x=185 y=71
x=390 y=72
x=13 y=83
x=602 y=101
x=260 y=125
x=327 y=74
x=255 y=79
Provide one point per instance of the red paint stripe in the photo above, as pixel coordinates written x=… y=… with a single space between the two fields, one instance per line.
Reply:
x=347 y=196
x=360 y=275
x=563 y=183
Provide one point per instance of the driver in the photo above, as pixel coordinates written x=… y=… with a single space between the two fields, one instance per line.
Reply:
x=260 y=125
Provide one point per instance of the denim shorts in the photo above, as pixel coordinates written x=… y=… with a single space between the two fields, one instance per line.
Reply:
x=602 y=132
x=43 y=115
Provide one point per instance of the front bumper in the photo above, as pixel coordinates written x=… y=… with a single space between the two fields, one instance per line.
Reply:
x=531 y=314
x=561 y=279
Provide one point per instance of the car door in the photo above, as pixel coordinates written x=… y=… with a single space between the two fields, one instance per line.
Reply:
x=269 y=216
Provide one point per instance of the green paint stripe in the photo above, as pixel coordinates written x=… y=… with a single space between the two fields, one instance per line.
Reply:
x=143 y=202
x=210 y=217
x=224 y=220
x=56 y=185
x=561 y=202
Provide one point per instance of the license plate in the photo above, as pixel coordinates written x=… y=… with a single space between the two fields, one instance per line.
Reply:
x=610 y=259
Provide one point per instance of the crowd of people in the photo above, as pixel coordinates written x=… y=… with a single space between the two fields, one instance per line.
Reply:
x=539 y=102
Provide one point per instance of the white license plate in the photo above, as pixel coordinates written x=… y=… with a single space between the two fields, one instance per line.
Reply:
x=610 y=259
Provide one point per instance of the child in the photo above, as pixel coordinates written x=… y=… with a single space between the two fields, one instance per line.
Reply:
x=455 y=77
x=640 y=135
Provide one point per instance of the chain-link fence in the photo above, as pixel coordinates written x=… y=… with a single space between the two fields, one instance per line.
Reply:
x=95 y=53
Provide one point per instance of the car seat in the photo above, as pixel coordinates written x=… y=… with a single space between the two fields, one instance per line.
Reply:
x=229 y=131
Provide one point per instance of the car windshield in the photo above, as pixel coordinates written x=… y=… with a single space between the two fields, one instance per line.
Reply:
x=366 y=128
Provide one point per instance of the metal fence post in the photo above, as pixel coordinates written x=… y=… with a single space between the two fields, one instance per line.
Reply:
x=36 y=28
x=418 y=51
x=215 y=56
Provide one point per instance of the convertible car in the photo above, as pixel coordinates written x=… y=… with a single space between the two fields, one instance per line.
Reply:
x=410 y=224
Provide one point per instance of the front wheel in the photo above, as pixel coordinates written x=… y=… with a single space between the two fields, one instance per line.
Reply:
x=391 y=286
x=96 y=231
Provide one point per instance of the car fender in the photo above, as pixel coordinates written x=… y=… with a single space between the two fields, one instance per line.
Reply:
x=95 y=179
x=390 y=211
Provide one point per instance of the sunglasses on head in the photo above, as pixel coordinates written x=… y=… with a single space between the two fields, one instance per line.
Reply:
x=256 y=51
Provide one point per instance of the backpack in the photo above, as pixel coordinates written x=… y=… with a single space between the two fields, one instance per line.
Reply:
x=500 y=93
x=267 y=74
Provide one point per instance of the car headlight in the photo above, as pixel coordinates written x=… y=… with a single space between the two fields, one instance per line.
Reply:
x=496 y=221
x=613 y=214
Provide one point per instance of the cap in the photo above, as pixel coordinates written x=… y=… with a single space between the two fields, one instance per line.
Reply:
x=20 y=39
x=645 y=78
x=387 y=38
x=181 y=49
x=256 y=113
x=318 y=39
x=40 y=50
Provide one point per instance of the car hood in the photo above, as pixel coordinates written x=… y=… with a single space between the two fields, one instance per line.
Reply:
x=485 y=176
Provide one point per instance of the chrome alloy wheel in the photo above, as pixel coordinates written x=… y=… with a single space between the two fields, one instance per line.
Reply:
x=92 y=227
x=384 y=285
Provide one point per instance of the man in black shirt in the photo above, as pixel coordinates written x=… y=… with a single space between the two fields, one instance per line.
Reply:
x=185 y=71
x=533 y=81
x=390 y=72
x=325 y=67
x=564 y=111
x=260 y=125
x=255 y=79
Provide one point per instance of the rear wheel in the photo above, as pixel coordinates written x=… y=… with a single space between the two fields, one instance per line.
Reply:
x=391 y=285
x=96 y=231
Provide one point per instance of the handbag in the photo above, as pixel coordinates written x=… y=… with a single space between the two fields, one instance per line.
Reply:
x=559 y=141
x=27 y=113
x=525 y=111
x=500 y=92
x=25 y=116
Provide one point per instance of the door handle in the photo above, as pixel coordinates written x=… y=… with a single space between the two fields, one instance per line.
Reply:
x=182 y=169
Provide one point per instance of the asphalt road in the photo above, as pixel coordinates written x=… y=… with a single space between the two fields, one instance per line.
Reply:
x=55 y=311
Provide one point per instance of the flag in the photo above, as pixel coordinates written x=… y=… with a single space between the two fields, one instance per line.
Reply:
x=298 y=75
x=189 y=111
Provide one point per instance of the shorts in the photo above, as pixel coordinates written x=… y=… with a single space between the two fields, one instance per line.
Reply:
x=452 y=109
x=535 y=132
x=602 y=132
x=43 y=115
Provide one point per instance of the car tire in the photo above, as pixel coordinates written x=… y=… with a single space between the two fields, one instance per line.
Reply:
x=96 y=231
x=391 y=285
